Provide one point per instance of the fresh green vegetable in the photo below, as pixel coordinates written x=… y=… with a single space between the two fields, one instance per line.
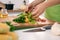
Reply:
x=12 y=28
x=24 y=18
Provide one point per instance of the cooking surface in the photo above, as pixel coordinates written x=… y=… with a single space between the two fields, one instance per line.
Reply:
x=44 y=35
x=40 y=35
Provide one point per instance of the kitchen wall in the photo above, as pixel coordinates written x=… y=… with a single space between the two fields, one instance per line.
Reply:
x=17 y=3
x=31 y=1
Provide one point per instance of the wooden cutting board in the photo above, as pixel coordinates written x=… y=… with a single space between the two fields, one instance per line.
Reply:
x=9 y=18
x=38 y=24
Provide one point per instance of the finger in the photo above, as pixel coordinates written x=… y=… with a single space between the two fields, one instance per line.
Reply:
x=30 y=10
x=38 y=19
x=34 y=12
x=43 y=20
x=30 y=7
x=38 y=14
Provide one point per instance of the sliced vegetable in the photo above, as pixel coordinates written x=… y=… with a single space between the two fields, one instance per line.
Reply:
x=24 y=18
x=12 y=28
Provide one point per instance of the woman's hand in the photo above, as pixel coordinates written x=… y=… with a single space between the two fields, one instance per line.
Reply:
x=38 y=10
x=33 y=4
x=30 y=7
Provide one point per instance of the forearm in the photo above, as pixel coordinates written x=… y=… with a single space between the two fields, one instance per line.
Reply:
x=36 y=2
x=49 y=3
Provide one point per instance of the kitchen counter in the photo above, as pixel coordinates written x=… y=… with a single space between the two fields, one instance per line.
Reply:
x=46 y=35
x=14 y=10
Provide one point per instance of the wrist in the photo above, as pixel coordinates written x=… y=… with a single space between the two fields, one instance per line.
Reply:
x=49 y=3
x=45 y=4
x=36 y=2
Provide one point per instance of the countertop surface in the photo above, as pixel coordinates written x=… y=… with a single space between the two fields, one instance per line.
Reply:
x=45 y=35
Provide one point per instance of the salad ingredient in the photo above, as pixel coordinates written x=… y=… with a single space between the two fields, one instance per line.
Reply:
x=25 y=18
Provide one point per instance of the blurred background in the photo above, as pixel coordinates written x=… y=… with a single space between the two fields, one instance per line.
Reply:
x=13 y=6
x=17 y=3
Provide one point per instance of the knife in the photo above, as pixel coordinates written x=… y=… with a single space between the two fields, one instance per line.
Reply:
x=39 y=29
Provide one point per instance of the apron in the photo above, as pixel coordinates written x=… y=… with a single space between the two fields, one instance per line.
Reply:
x=53 y=13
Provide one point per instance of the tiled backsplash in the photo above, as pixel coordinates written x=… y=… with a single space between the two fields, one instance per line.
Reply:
x=17 y=3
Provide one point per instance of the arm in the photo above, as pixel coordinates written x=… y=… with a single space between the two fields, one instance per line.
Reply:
x=41 y=7
x=49 y=3
x=36 y=2
x=33 y=4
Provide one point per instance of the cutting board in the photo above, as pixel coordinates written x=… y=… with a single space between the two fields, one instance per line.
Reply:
x=38 y=24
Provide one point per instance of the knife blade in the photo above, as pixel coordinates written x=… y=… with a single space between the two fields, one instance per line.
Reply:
x=39 y=29
x=36 y=30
